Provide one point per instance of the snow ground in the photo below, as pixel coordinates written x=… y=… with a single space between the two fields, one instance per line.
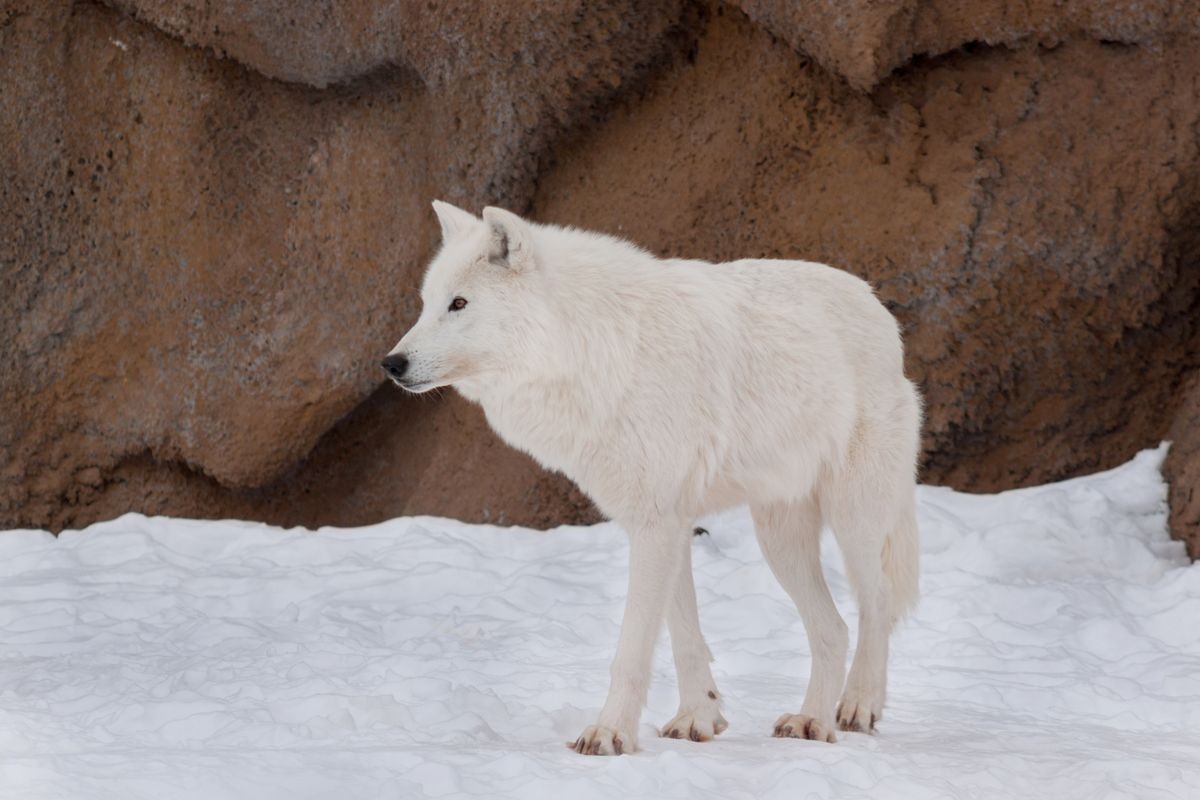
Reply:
x=1056 y=654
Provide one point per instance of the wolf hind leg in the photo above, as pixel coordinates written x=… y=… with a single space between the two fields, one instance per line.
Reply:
x=790 y=537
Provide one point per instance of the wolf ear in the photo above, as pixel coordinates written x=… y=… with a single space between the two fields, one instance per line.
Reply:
x=511 y=245
x=453 y=219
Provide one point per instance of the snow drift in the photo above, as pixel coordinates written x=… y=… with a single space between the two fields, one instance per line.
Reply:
x=1055 y=653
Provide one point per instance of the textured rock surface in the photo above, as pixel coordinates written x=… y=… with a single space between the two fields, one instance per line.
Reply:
x=1182 y=469
x=1023 y=213
x=864 y=40
x=211 y=260
x=219 y=213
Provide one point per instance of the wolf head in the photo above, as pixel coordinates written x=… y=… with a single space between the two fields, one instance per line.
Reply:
x=479 y=317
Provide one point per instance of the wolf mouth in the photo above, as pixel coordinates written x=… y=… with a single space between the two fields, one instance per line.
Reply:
x=415 y=388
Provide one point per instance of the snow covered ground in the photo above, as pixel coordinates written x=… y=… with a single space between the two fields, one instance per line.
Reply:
x=1056 y=654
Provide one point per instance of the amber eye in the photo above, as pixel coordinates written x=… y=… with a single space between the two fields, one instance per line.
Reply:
x=458 y=304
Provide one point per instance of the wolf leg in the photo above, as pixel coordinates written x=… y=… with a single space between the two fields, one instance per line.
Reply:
x=656 y=554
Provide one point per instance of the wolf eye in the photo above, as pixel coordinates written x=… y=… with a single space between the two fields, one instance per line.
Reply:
x=458 y=304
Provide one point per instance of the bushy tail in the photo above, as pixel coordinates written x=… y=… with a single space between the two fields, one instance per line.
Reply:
x=902 y=564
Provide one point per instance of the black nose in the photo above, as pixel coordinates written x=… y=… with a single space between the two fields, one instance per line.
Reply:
x=395 y=365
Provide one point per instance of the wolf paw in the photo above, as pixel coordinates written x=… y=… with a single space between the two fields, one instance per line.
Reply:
x=598 y=741
x=699 y=725
x=802 y=726
x=859 y=710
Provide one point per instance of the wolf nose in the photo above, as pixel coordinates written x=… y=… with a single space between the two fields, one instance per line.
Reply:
x=395 y=365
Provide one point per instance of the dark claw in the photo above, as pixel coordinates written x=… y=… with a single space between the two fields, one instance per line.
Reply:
x=694 y=734
x=617 y=746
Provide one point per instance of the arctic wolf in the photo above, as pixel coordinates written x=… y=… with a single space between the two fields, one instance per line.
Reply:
x=668 y=389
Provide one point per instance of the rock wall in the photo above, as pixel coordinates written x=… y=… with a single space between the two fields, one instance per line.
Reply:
x=219 y=213
x=1182 y=469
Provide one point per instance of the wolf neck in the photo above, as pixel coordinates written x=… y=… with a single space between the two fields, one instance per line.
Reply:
x=596 y=292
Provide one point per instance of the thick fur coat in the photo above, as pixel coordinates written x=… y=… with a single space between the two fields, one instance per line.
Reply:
x=668 y=389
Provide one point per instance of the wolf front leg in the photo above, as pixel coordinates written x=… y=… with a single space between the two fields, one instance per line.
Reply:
x=656 y=555
x=699 y=717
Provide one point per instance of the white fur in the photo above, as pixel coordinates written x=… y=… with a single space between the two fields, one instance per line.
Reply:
x=668 y=389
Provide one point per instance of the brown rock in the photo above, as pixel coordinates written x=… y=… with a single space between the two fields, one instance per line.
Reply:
x=393 y=454
x=1022 y=212
x=865 y=40
x=219 y=213
x=210 y=262
x=1182 y=469
x=227 y=244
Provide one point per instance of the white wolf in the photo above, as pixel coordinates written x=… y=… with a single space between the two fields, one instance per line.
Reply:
x=668 y=389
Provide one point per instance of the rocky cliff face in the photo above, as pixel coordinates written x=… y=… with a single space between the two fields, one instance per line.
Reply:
x=216 y=215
